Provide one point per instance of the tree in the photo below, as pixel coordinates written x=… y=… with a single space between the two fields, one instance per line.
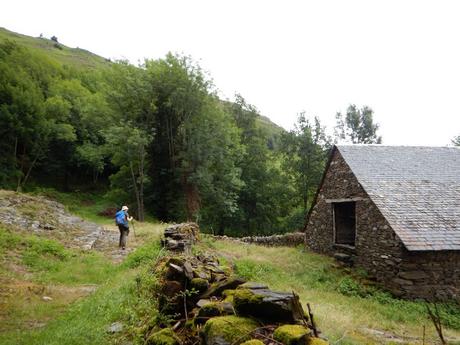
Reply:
x=264 y=201
x=305 y=149
x=456 y=140
x=358 y=126
x=54 y=39
x=127 y=145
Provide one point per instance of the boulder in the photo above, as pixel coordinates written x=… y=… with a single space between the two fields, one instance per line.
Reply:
x=268 y=305
x=199 y=284
x=292 y=334
x=228 y=330
x=164 y=337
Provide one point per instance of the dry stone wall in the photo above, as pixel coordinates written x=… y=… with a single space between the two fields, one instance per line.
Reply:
x=378 y=249
x=208 y=304
x=291 y=239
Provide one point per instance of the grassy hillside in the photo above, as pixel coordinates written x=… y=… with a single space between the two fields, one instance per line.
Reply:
x=83 y=59
x=75 y=57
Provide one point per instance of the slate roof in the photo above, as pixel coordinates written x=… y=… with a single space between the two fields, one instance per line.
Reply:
x=416 y=188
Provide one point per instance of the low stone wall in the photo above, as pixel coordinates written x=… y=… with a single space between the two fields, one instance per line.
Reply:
x=208 y=304
x=290 y=239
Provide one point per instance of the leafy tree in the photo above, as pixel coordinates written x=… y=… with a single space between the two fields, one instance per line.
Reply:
x=264 y=200
x=305 y=152
x=456 y=140
x=126 y=146
x=358 y=126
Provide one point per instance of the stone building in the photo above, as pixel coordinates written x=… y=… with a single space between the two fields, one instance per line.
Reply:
x=395 y=212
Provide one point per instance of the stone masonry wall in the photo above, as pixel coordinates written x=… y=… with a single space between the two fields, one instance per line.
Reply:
x=378 y=249
x=290 y=239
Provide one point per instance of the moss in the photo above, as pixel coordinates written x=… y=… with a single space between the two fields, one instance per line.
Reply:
x=243 y=297
x=176 y=260
x=228 y=293
x=164 y=337
x=199 y=284
x=210 y=310
x=292 y=334
x=231 y=329
x=228 y=296
x=316 y=341
x=253 y=342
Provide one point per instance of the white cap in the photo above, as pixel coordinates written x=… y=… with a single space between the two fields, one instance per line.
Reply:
x=124 y=208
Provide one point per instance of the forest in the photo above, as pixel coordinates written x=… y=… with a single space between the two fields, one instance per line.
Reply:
x=157 y=137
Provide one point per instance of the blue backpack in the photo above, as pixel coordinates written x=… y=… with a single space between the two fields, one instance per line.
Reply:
x=120 y=217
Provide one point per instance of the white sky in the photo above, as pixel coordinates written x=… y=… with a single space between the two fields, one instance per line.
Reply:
x=402 y=58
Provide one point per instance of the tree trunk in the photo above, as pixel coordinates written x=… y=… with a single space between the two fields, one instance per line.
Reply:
x=141 y=186
x=192 y=198
x=136 y=191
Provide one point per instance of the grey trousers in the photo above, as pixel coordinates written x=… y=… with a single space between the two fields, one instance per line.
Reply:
x=124 y=232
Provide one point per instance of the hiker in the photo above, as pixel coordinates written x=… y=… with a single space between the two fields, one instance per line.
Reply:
x=121 y=219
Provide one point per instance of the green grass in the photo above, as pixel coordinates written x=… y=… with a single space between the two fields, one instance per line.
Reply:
x=341 y=303
x=75 y=57
x=50 y=262
x=84 y=322
x=118 y=296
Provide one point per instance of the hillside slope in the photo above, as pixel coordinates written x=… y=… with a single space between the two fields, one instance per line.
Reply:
x=82 y=59
x=75 y=57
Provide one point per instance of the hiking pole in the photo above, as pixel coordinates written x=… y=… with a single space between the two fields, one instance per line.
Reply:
x=134 y=229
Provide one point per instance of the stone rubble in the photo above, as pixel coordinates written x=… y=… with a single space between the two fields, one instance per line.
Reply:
x=209 y=304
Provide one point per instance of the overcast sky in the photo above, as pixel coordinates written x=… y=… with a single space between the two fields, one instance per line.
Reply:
x=401 y=58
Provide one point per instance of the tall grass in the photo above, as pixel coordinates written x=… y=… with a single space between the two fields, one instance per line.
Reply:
x=343 y=303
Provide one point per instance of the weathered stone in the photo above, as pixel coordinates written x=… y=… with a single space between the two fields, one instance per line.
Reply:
x=217 y=288
x=171 y=288
x=115 y=327
x=292 y=334
x=199 y=284
x=400 y=281
x=188 y=270
x=202 y=302
x=164 y=337
x=268 y=305
x=228 y=330
x=413 y=275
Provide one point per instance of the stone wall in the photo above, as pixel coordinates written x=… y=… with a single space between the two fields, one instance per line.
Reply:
x=378 y=249
x=291 y=239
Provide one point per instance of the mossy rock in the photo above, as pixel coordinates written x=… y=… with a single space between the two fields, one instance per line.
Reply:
x=176 y=260
x=164 y=337
x=253 y=342
x=268 y=306
x=199 y=284
x=228 y=296
x=228 y=330
x=216 y=289
x=210 y=310
x=244 y=300
x=292 y=334
x=228 y=293
x=316 y=341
